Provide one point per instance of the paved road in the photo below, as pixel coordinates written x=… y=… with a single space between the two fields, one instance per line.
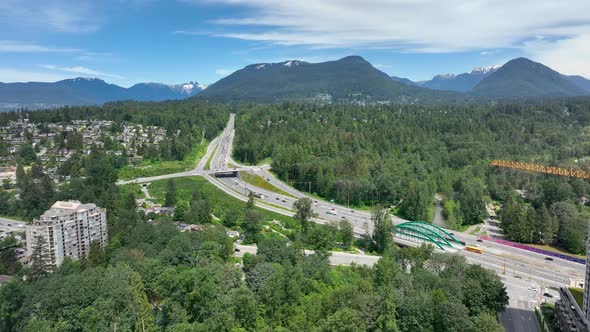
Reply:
x=12 y=225
x=337 y=258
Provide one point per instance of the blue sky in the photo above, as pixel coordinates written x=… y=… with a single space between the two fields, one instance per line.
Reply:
x=131 y=41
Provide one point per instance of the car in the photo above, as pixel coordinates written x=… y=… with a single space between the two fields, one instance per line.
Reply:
x=549 y=258
x=548 y=295
x=479 y=240
x=352 y=211
x=278 y=198
x=237 y=250
x=284 y=200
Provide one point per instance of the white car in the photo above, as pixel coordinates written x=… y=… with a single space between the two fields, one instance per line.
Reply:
x=332 y=212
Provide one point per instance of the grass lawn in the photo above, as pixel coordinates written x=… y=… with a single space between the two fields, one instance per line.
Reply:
x=258 y=181
x=475 y=231
x=220 y=202
x=17 y=218
x=153 y=168
x=208 y=164
x=556 y=250
x=578 y=294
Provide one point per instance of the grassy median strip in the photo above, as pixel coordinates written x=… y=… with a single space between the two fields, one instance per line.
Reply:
x=208 y=164
x=258 y=181
x=219 y=201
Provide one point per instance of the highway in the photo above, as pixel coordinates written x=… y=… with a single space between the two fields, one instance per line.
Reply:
x=532 y=265
x=12 y=225
x=521 y=265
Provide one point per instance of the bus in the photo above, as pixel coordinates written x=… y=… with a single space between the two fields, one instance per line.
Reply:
x=474 y=249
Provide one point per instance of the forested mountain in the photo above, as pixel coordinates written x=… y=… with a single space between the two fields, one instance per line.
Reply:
x=349 y=79
x=580 y=81
x=524 y=78
x=521 y=78
x=90 y=91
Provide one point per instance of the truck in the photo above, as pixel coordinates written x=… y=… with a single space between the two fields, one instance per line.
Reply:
x=474 y=249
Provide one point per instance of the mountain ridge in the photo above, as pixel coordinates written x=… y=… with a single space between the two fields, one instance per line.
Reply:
x=90 y=91
x=349 y=79
x=522 y=77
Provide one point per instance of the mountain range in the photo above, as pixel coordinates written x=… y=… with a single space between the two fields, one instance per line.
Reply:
x=90 y=91
x=350 y=79
x=520 y=77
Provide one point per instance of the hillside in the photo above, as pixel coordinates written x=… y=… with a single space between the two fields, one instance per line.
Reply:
x=349 y=79
x=525 y=78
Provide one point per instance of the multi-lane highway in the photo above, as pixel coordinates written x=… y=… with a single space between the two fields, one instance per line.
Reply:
x=529 y=265
x=12 y=225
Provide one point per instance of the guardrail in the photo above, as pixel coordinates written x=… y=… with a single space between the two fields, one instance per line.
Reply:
x=537 y=250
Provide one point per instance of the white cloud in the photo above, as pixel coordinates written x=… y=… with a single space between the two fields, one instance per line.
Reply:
x=569 y=56
x=10 y=75
x=13 y=46
x=429 y=26
x=381 y=66
x=82 y=71
x=56 y=15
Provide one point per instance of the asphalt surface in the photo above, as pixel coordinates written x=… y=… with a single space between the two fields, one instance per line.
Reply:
x=12 y=225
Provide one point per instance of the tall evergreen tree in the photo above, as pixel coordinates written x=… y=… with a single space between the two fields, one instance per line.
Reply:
x=383 y=230
x=170 y=199
x=40 y=266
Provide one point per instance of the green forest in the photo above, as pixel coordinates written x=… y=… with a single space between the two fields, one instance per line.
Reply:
x=401 y=156
x=151 y=277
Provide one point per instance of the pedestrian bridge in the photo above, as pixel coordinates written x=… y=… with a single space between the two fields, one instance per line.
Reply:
x=423 y=232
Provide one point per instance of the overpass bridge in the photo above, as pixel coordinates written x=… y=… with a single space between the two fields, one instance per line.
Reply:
x=423 y=232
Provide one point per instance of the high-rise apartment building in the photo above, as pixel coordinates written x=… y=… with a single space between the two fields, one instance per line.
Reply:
x=68 y=228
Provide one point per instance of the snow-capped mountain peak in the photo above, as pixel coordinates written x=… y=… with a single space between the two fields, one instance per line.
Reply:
x=261 y=66
x=188 y=88
x=292 y=63
x=445 y=76
x=486 y=69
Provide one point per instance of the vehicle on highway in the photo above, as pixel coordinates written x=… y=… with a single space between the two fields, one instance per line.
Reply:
x=548 y=258
x=548 y=295
x=479 y=240
x=474 y=249
x=332 y=212
x=284 y=200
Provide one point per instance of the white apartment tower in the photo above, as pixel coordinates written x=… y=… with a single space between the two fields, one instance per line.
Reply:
x=68 y=229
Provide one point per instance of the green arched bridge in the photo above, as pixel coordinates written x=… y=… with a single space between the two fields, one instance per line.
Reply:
x=420 y=231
